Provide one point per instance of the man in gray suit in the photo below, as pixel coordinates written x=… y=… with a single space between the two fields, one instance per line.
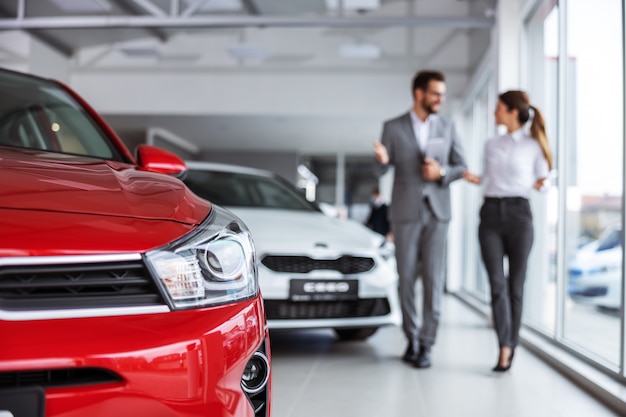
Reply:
x=425 y=152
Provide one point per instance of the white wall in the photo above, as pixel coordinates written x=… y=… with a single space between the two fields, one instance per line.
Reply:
x=507 y=39
x=14 y=50
x=251 y=93
x=48 y=62
x=21 y=52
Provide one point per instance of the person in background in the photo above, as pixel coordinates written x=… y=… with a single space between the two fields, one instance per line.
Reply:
x=515 y=163
x=377 y=219
x=420 y=205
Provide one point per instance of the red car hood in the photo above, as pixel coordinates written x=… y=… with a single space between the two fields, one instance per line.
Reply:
x=99 y=205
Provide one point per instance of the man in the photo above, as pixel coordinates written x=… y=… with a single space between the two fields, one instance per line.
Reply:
x=425 y=152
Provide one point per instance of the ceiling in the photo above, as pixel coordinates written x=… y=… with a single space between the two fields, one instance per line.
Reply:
x=321 y=37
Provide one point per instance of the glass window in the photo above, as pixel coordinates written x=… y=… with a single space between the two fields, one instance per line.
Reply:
x=541 y=279
x=595 y=177
x=479 y=122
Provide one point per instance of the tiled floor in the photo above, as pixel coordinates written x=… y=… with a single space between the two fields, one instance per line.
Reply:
x=315 y=375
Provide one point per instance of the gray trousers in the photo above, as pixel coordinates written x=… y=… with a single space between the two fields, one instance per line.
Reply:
x=420 y=251
x=506 y=229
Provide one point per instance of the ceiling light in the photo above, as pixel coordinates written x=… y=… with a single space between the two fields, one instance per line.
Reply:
x=83 y=6
x=353 y=4
x=359 y=51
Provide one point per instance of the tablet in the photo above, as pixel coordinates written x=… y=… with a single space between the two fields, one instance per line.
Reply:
x=436 y=149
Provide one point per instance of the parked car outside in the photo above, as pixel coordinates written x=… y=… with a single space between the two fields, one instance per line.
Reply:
x=315 y=271
x=595 y=272
x=121 y=291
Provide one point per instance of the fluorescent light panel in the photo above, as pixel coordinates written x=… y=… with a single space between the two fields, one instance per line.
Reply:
x=353 y=4
x=217 y=5
x=83 y=6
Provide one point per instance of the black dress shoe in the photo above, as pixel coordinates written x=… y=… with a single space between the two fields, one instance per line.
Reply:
x=423 y=358
x=412 y=351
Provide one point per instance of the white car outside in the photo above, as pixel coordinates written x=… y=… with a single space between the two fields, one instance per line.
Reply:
x=595 y=273
x=315 y=270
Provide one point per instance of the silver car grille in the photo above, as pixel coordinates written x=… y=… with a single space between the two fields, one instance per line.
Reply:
x=292 y=310
x=303 y=264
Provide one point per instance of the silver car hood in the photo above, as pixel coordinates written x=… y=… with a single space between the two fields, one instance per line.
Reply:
x=307 y=232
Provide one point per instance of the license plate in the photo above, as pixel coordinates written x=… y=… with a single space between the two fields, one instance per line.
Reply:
x=323 y=289
x=22 y=402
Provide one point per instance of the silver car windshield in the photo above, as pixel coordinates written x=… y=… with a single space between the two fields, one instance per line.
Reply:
x=245 y=190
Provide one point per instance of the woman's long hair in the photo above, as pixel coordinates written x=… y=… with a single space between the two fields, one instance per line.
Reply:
x=516 y=99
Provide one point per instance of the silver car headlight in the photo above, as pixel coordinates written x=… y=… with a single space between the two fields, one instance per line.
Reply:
x=215 y=264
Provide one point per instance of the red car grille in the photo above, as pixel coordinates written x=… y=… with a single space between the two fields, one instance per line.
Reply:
x=303 y=264
x=294 y=310
x=44 y=287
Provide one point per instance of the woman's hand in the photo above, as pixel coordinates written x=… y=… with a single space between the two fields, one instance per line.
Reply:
x=539 y=184
x=469 y=177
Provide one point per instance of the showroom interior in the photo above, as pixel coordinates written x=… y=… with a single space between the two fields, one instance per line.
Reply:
x=301 y=88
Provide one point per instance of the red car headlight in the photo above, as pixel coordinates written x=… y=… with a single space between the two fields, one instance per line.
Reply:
x=214 y=265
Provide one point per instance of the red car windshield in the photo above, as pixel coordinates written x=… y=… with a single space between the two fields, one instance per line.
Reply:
x=38 y=114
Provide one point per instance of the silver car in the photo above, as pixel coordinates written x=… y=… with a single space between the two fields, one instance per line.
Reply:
x=315 y=271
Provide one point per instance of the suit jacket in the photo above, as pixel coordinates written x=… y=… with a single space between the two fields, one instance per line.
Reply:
x=409 y=187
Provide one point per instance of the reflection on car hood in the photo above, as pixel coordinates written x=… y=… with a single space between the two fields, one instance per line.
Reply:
x=304 y=232
x=55 y=204
x=43 y=181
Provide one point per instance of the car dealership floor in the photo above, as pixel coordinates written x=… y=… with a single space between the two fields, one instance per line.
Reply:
x=316 y=375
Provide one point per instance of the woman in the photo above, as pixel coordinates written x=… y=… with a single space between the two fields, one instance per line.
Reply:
x=515 y=163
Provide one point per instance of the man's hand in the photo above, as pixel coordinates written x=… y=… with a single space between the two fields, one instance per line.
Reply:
x=380 y=152
x=431 y=170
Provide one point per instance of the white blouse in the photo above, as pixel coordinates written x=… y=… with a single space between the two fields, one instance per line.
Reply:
x=513 y=163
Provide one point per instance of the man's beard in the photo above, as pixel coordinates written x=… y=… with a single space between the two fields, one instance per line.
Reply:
x=428 y=107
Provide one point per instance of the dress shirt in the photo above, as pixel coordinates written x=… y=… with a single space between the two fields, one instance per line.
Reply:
x=421 y=129
x=513 y=163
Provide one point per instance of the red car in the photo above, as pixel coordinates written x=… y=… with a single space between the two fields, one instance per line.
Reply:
x=122 y=293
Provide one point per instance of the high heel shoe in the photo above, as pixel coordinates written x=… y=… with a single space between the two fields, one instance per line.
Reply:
x=501 y=368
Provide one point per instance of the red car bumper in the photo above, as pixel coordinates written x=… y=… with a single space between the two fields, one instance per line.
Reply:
x=184 y=363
